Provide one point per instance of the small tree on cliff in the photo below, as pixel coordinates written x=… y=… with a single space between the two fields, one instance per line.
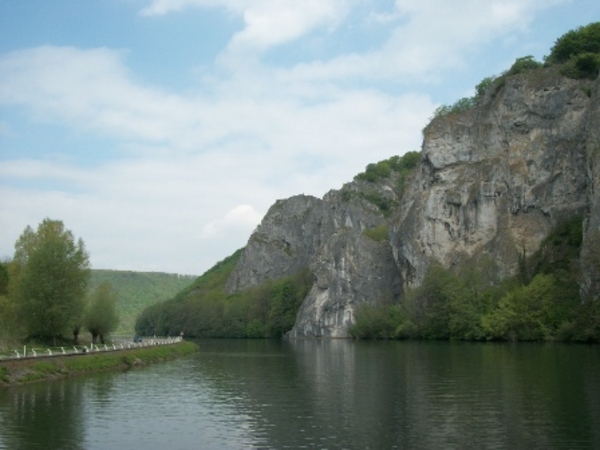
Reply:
x=101 y=317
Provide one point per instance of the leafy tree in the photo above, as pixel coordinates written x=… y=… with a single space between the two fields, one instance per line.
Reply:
x=523 y=64
x=483 y=87
x=51 y=277
x=585 y=39
x=4 y=277
x=101 y=317
x=528 y=313
x=585 y=65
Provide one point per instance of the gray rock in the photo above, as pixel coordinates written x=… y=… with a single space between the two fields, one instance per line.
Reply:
x=492 y=181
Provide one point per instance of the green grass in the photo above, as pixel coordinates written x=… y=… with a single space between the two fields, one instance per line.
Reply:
x=14 y=372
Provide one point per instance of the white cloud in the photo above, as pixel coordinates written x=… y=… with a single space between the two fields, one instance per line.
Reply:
x=195 y=171
x=242 y=220
x=266 y=23
x=427 y=37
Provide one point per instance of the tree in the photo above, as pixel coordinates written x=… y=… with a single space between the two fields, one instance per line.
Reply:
x=51 y=278
x=101 y=317
x=584 y=39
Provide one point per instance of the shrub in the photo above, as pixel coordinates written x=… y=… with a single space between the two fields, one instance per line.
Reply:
x=585 y=65
x=585 y=39
x=378 y=233
x=523 y=64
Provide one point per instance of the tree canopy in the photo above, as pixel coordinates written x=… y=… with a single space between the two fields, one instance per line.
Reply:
x=101 y=316
x=50 y=281
x=576 y=42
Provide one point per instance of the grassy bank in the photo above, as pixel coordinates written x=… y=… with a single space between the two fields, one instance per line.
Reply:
x=29 y=370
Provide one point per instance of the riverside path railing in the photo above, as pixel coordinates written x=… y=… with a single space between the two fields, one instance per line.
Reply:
x=27 y=352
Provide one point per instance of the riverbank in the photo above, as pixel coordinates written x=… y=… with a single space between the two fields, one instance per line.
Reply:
x=30 y=370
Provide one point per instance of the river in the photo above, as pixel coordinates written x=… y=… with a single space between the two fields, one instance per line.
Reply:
x=337 y=394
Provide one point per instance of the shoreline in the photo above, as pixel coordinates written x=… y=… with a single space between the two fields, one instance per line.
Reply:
x=28 y=370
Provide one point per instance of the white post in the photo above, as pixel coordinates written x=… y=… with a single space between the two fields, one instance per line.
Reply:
x=49 y=352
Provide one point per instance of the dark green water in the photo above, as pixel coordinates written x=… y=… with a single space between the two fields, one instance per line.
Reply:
x=324 y=395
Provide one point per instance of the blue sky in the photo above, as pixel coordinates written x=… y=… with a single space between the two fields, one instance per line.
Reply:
x=160 y=131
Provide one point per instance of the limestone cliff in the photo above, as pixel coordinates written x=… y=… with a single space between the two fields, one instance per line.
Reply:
x=493 y=180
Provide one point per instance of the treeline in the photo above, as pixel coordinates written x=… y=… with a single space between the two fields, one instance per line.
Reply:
x=205 y=310
x=542 y=302
x=576 y=54
x=45 y=292
x=138 y=290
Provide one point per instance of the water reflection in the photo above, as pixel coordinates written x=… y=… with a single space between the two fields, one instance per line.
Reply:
x=323 y=394
x=44 y=416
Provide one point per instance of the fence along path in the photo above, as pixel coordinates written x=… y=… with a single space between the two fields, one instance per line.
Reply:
x=118 y=344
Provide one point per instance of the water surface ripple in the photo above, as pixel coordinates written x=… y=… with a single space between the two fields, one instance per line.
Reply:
x=322 y=395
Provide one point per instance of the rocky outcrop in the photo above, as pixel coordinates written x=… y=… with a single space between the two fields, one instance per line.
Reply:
x=331 y=238
x=499 y=177
x=492 y=181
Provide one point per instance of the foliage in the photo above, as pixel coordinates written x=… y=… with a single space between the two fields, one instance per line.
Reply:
x=378 y=233
x=4 y=277
x=385 y=204
x=377 y=322
x=101 y=316
x=138 y=290
x=204 y=310
x=10 y=328
x=50 y=279
x=585 y=65
x=542 y=303
x=585 y=39
x=17 y=372
x=578 y=50
x=461 y=105
x=523 y=64
x=375 y=172
x=397 y=166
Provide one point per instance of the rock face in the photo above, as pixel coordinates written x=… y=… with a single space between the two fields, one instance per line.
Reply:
x=492 y=181
x=499 y=177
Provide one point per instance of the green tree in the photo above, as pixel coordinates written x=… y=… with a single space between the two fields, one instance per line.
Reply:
x=584 y=39
x=101 y=316
x=524 y=64
x=51 y=278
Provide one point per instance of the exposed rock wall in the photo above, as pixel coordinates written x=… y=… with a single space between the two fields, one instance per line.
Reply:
x=494 y=180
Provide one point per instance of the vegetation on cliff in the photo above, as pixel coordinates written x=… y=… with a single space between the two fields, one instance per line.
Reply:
x=576 y=54
x=205 y=310
x=542 y=302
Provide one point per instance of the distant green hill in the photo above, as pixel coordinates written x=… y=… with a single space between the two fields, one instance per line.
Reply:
x=137 y=290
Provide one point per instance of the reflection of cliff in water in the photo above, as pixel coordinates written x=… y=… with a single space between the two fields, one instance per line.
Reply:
x=344 y=394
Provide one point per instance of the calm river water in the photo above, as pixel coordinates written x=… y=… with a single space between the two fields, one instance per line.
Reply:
x=323 y=395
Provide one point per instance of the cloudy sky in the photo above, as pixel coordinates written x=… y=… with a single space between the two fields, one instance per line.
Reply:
x=160 y=131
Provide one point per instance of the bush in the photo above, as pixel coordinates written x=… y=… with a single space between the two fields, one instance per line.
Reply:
x=265 y=311
x=523 y=64
x=377 y=322
x=586 y=65
x=379 y=233
x=585 y=39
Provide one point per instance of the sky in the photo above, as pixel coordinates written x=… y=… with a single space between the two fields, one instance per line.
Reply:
x=161 y=131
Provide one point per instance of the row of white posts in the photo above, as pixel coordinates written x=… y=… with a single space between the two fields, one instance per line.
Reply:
x=144 y=342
